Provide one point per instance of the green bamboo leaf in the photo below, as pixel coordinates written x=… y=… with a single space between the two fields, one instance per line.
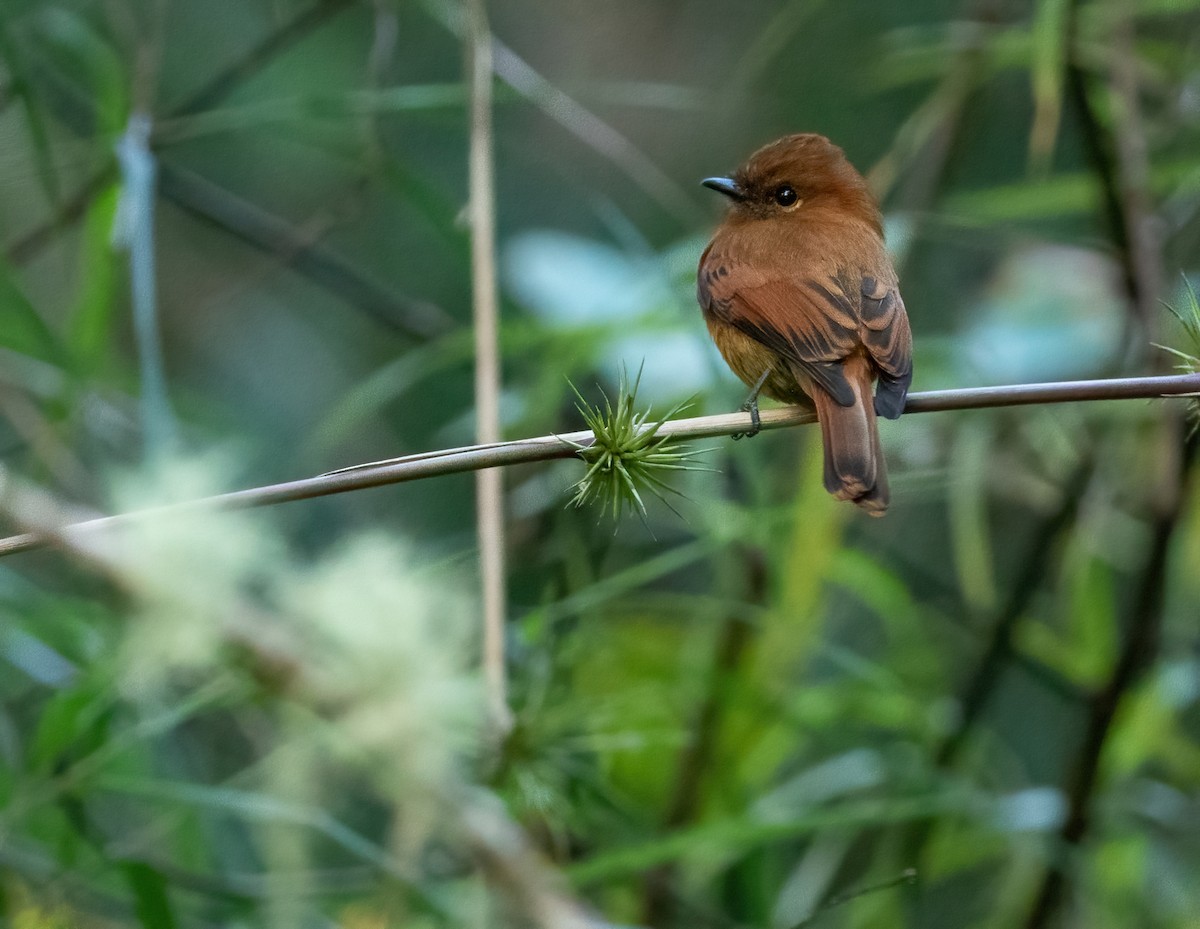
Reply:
x=726 y=838
x=149 y=887
x=1094 y=621
x=1047 y=69
x=969 y=528
x=1165 y=7
x=72 y=721
x=254 y=806
x=22 y=328
x=80 y=58
x=22 y=87
x=91 y=325
x=1060 y=195
x=804 y=556
x=1083 y=644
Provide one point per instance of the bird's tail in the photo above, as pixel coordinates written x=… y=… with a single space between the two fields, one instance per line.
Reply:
x=854 y=465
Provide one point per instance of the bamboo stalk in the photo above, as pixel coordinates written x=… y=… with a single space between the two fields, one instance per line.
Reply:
x=485 y=301
x=548 y=447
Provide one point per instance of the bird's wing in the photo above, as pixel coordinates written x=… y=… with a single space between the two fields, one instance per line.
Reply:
x=888 y=339
x=885 y=330
x=814 y=324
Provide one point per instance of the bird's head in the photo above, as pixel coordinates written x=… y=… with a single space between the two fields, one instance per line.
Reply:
x=794 y=175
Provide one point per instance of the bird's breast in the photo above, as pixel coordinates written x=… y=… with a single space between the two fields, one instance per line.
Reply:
x=749 y=360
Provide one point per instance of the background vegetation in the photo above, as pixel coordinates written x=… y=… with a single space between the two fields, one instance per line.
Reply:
x=768 y=711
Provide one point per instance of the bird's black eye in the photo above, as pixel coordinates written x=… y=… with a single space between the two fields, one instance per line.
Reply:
x=785 y=195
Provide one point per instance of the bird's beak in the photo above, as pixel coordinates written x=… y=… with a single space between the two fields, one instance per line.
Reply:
x=726 y=186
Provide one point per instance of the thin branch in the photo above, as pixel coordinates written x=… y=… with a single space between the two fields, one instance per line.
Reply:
x=1141 y=247
x=135 y=233
x=695 y=758
x=594 y=132
x=212 y=92
x=1133 y=175
x=924 y=146
x=1137 y=654
x=549 y=447
x=1097 y=146
x=298 y=247
x=581 y=122
x=236 y=74
x=1116 y=147
x=1038 y=559
x=485 y=301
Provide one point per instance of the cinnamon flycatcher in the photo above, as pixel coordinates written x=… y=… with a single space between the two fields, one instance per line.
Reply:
x=801 y=299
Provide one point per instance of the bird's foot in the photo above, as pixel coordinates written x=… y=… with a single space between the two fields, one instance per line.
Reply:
x=751 y=407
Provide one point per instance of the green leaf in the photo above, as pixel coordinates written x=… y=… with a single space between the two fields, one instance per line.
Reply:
x=91 y=323
x=22 y=87
x=1084 y=651
x=149 y=888
x=1056 y=196
x=969 y=529
x=867 y=579
x=1048 y=66
x=87 y=69
x=22 y=329
x=73 y=721
x=723 y=839
x=1059 y=195
x=254 y=806
x=1094 y=622
x=793 y=625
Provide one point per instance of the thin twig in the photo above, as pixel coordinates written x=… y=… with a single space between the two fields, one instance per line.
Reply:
x=1097 y=146
x=266 y=50
x=1038 y=559
x=1133 y=177
x=134 y=231
x=581 y=122
x=489 y=488
x=216 y=89
x=1137 y=654
x=1141 y=251
x=930 y=134
x=693 y=763
x=595 y=132
x=549 y=447
x=298 y=246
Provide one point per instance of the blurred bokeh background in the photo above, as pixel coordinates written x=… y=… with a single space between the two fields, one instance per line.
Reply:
x=765 y=710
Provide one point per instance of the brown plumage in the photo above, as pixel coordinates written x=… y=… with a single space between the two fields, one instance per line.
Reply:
x=799 y=294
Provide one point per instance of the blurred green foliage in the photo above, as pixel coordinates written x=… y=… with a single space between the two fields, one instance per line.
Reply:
x=982 y=711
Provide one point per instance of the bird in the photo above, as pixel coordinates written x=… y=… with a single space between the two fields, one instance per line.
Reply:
x=801 y=298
